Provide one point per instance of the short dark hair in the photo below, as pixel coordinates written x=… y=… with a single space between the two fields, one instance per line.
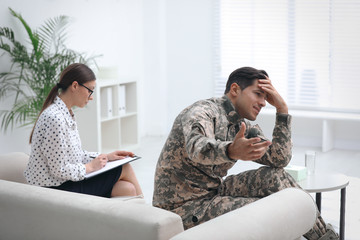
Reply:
x=244 y=77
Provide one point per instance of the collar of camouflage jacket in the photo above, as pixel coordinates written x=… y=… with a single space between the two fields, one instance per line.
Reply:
x=229 y=108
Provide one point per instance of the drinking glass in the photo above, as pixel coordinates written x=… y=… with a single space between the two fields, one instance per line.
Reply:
x=310 y=157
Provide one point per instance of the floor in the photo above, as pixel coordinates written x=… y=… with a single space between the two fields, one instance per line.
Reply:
x=335 y=161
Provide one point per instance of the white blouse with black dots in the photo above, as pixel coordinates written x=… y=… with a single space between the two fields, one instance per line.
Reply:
x=56 y=154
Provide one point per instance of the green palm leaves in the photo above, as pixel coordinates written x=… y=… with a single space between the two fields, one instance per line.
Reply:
x=35 y=68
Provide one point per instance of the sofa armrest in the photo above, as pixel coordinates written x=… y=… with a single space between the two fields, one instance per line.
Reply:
x=287 y=214
x=31 y=212
x=12 y=166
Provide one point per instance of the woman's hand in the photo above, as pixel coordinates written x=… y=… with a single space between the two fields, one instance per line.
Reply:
x=119 y=155
x=97 y=163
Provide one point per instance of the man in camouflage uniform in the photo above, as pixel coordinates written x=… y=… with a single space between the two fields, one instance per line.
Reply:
x=208 y=138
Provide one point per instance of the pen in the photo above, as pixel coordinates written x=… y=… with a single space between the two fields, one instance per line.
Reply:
x=92 y=157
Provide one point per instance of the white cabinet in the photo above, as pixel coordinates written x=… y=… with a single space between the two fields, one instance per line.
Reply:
x=110 y=121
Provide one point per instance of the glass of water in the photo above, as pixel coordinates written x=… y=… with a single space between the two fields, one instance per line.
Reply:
x=310 y=162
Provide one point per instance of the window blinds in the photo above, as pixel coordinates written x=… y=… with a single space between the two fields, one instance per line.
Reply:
x=309 y=48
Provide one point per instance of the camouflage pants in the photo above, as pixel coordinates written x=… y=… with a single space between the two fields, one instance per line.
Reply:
x=239 y=190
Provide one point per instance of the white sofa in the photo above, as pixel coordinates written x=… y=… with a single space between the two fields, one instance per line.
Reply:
x=30 y=212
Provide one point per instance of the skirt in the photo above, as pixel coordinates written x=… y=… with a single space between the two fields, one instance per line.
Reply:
x=100 y=185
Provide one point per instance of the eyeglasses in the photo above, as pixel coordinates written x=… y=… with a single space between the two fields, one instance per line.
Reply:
x=90 y=91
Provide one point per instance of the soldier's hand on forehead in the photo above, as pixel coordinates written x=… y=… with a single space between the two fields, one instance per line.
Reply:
x=272 y=95
x=247 y=149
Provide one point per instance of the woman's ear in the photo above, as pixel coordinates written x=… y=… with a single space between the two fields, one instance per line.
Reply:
x=74 y=85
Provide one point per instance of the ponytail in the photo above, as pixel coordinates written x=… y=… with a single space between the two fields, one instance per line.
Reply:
x=49 y=100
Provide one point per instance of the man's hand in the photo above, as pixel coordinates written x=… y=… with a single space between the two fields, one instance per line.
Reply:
x=247 y=149
x=119 y=155
x=273 y=97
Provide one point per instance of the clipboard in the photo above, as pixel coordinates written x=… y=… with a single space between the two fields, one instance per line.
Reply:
x=111 y=165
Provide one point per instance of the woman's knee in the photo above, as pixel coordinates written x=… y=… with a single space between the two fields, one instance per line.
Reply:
x=130 y=188
x=127 y=172
x=124 y=188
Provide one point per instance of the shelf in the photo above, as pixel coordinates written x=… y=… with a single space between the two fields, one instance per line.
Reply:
x=113 y=111
x=130 y=114
x=119 y=117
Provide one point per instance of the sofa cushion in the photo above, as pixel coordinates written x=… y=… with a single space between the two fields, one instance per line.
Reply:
x=13 y=166
x=32 y=212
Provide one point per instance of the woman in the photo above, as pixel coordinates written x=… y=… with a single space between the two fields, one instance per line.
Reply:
x=57 y=159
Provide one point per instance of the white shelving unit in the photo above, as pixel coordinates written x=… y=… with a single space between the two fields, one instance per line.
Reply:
x=110 y=121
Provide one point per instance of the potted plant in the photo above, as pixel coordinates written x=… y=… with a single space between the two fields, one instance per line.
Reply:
x=34 y=70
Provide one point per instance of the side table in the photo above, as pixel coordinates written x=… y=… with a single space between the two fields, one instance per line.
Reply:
x=322 y=182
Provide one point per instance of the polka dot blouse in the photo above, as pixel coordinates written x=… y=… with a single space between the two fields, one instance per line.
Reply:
x=56 y=154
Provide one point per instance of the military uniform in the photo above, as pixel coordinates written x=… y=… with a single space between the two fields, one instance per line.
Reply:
x=190 y=177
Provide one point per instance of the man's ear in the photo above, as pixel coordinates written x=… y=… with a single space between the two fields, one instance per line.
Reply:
x=234 y=89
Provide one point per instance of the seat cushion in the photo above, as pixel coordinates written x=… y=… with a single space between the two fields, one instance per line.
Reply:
x=12 y=166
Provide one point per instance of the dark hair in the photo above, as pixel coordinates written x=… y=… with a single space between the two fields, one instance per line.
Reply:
x=75 y=72
x=244 y=77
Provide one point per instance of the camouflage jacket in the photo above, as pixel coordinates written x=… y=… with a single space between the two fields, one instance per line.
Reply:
x=194 y=159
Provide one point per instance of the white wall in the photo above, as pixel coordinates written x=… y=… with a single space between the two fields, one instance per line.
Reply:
x=189 y=56
x=153 y=100
x=177 y=59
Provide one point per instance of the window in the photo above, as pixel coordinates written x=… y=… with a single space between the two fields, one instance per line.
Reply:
x=309 y=48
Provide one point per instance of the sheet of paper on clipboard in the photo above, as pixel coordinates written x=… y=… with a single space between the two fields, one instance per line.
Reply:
x=111 y=165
